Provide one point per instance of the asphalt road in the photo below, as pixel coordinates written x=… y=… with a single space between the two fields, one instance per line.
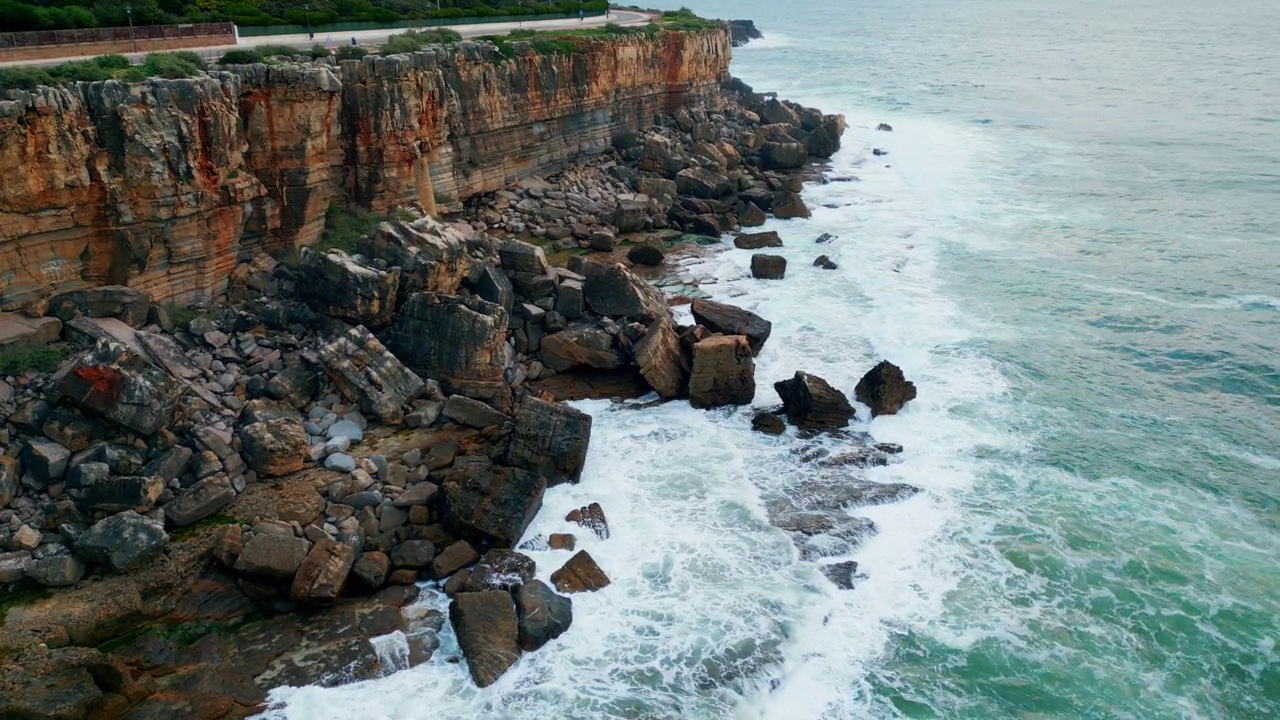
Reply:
x=377 y=37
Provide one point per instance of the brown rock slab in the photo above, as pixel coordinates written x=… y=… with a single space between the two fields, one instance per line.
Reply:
x=580 y=574
x=811 y=403
x=723 y=372
x=488 y=633
x=454 y=558
x=323 y=573
x=729 y=319
x=550 y=439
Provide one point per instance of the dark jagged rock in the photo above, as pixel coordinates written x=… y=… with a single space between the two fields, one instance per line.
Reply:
x=843 y=575
x=494 y=286
x=613 y=291
x=884 y=389
x=824 y=140
x=296 y=385
x=551 y=440
x=500 y=570
x=664 y=362
x=488 y=633
x=542 y=614
x=114 y=382
x=787 y=205
x=453 y=558
x=334 y=284
x=768 y=423
x=45 y=460
x=825 y=238
x=367 y=373
x=590 y=517
x=650 y=251
x=811 y=403
x=123 y=541
x=824 y=262
x=580 y=574
x=723 y=372
x=756 y=241
x=522 y=257
x=885 y=127
x=492 y=505
x=460 y=342
x=768 y=267
x=775 y=112
x=742 y=32
x=130 y=305
x=200 y=501
x=276 y=447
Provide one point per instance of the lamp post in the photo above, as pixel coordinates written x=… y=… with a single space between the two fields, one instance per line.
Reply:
x=128 y=11
x=307 y=9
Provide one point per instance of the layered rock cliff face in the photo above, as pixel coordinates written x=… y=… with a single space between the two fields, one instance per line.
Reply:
x=160 y=185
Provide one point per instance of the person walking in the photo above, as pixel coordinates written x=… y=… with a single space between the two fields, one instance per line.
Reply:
x=580 y=15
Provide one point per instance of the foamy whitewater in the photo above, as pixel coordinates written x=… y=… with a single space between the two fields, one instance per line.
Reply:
x=1093 y=340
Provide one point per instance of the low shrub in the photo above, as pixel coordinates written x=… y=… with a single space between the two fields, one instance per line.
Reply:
x=112 y=62
x=240 y=57
x=344 y=228
x=24 y=78
x=172 y=65
x=319 y=51
x=267 y=51
x=351 y=52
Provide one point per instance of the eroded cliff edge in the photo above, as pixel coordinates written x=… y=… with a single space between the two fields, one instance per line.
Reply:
x=161 y=185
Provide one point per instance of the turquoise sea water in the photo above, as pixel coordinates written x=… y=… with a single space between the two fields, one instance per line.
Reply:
x=1071 y=247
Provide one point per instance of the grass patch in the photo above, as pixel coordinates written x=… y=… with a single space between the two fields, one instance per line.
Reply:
x=196 y=527
x=21 y=360
x=288 y=51
x=105 y=67
x=23 y=593
x=344 y=228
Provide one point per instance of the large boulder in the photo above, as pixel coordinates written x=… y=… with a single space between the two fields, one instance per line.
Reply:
x=629 y=215
x=649 y=251
x=367 y=373
x=272 y=555
x=884 y=389
x=580 y=574
x=116 y=383
x=664 y=361
x=488 y=633
x=296 y=385
x=200 y=501
x=123 y=541
x=775 y=111
x=585 y=345
x=432 y=256
x=732 y=320
x=756 y=241
x=661 y=157
x=460 y=342
x=613 y=291
x=472 y=413
x=45 y=461
x=334 y=284
x=117 y=301
x=724 y=372
x=542 y=614
x=492 y=505
x=824 y=141
x=550 y=439
x=811 y=403
x=521 y=257
x=787 y=205
x=323 y=572
x=703 y=183
x=275 y=447
x=768 y=267
x=783 y=155
x=501 y=569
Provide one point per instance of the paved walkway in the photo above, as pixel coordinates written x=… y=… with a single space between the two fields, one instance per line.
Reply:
x=378 y=37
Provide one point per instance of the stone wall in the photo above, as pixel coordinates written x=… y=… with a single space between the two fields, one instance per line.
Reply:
x=159 y=185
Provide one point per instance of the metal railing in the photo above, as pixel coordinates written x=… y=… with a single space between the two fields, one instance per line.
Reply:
x=40 y=38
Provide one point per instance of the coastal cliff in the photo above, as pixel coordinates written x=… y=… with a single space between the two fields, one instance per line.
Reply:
x=161 y=185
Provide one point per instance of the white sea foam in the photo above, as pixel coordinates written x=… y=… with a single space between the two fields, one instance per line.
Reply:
x=710 y=612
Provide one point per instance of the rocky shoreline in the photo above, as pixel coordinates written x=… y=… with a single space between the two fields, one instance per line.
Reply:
x=196 y=512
